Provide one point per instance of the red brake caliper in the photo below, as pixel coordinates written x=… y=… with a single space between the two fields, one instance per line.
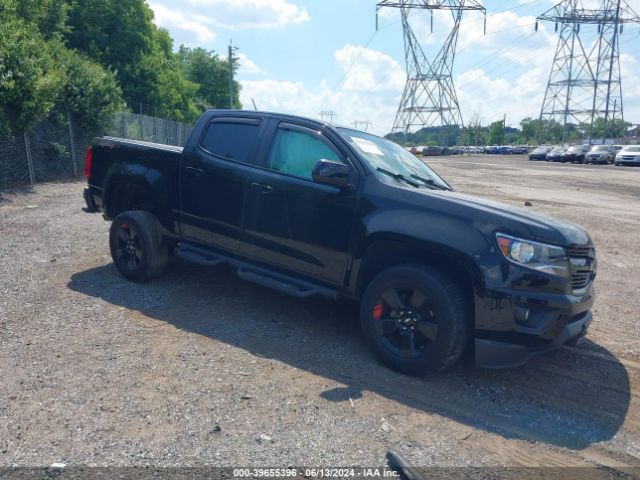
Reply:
x=378 y=311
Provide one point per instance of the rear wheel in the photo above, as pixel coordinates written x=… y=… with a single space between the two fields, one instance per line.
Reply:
x=136 y=247
x=415 y=319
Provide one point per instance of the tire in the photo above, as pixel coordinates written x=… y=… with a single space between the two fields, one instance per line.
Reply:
x=424 y=327
x=135 y=244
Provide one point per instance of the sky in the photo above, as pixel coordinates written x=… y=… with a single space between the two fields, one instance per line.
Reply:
x=307 y=56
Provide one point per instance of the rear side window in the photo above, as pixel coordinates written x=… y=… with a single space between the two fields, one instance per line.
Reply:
x=231 y=140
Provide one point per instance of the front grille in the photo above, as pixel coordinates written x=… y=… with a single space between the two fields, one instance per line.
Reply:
x=580 y=252
x=582 y=259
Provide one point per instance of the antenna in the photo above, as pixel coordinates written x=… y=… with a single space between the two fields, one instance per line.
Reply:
x=429 y=97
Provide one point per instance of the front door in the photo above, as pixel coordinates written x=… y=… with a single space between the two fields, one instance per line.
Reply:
x=292 y=221
x=213 y=182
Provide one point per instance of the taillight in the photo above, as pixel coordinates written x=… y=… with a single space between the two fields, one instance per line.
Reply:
x=87 y=163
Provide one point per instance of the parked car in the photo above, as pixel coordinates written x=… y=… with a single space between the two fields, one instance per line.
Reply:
x=309 y=209
x=435 y=151
x=629 y=155
x=556 y=154
x=415 y=150
x=539 y=153
x=492 y=149
x=576 y=153
x=600 y=154
x=518 y=150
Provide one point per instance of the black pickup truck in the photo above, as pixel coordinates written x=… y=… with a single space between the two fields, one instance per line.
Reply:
x=310 y=209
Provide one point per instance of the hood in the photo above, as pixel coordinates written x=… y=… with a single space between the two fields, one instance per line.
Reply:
x=490 y=216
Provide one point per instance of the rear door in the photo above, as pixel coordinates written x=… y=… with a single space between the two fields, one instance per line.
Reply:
x=293 y=222
x=213 y=181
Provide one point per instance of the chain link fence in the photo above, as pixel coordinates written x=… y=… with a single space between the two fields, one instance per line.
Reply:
x=55 y=150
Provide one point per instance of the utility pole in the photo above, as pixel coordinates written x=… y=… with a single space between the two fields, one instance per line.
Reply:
x=328 y=114
x=362 y=125
x=504 y=128
x=231 y=50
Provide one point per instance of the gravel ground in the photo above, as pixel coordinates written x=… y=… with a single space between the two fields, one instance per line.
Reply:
x=201 y=368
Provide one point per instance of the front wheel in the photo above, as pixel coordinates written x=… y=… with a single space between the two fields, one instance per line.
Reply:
x=136 y=247
x=416 y=319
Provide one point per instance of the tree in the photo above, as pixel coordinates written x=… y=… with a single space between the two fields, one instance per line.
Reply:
x=496 y=133
x=546 y=131
x=30 y=80
x=90 y=92
x=614 y=128
x=211 y=73
x=118 y=35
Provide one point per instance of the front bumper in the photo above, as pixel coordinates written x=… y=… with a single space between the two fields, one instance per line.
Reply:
x=496 y=354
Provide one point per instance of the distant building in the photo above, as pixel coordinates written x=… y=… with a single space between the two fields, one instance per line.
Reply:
x=633 y=134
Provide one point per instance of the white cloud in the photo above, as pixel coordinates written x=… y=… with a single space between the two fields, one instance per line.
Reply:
x=370 y=90
x=247 y=67
x=506 y=72
x=173 y=19
x=367 y=70
x=251 y=14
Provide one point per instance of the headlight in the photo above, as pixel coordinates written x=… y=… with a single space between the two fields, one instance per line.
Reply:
x=537 y=256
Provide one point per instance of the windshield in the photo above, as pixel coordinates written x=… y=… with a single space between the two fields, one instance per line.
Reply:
x=557 y=150
x=576 y=148
x=382 y=154
x=632 y=148
x=541 y=149
x=600 y=148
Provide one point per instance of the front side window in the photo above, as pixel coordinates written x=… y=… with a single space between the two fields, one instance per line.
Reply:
x=296 y=152
x=230 y=140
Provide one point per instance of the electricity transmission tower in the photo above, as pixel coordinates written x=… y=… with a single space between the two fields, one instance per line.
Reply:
x=429 y=97
x=585 y=83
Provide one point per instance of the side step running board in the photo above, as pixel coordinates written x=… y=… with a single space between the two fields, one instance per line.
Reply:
x=254 y=274
x=199 y=256
x=281 y=284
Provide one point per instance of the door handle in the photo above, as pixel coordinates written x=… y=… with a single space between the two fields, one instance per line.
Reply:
x=262 y=188
x=193 y=171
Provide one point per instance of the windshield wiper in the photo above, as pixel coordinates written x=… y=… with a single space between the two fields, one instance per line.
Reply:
x=399 y=176
x=430 y=183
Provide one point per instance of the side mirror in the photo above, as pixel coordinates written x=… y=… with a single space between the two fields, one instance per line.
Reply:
x=331 y=173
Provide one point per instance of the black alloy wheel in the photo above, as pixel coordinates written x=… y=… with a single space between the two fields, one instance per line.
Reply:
x=128 y=250
x=136 y=246
x=416 y=319
x=405 y=320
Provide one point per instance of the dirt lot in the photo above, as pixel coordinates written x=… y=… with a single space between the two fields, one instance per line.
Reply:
x=201 y=368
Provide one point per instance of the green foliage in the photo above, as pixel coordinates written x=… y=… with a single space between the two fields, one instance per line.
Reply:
x=429 y=136
x=496 y=133
x=94 y=57
x=613 y=128
x=48 y=17
x=30 y=80
x=90 y=92
x=211 y=73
